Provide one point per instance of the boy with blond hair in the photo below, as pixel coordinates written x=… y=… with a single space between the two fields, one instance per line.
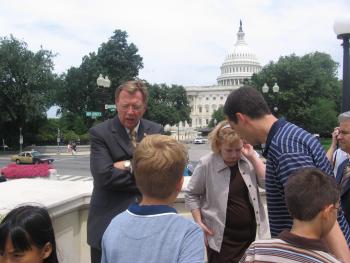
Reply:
x=152 y=231
x=312 y=200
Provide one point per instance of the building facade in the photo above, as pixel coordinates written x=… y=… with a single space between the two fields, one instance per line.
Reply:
x=239 y=65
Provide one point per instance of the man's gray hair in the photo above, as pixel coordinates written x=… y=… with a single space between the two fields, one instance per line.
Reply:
x=345 y=116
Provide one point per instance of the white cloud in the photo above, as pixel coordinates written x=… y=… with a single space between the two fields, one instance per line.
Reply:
x=183 y=41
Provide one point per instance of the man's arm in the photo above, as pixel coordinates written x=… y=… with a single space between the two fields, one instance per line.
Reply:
x=107 y=173
x=102 y=167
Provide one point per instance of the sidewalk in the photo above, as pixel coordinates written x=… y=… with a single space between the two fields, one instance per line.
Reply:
x=68 y=153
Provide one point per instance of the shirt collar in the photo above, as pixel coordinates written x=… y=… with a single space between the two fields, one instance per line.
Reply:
x=274 y=128
x=145 y=210
x=303 y=242
x=136 y=129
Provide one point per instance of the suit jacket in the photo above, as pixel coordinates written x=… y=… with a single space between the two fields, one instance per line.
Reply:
x=114 y=189
x=345 y=193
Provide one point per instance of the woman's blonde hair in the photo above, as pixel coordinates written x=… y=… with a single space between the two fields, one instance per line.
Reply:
x=222 y=133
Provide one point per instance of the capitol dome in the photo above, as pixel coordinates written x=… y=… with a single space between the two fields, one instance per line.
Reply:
x=239 y=64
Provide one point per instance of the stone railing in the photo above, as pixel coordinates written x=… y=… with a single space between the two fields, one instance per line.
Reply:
x=68 y=204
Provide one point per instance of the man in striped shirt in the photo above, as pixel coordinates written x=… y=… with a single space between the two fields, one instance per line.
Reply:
x=311 y=222
x=287 y=149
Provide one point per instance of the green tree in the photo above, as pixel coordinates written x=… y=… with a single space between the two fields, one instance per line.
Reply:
x=309 y=90
x=167 y=104
x=116 y=59
x=217 y=115
x=26 y=89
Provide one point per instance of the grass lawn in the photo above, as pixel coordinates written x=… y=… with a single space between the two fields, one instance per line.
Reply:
x=326 y=142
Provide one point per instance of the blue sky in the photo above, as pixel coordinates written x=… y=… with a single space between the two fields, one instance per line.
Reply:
x=181 y=41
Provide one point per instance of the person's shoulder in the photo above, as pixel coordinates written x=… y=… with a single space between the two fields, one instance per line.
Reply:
x=149 y=123
x=119 y=222
x=100 y=126
x=187 y=225
x=120 y=218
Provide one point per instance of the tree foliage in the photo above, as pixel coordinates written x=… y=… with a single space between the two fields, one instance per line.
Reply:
x=217 y=115
x=309 y=90
x=167 y=104
x=116 y=59
x=27 y=86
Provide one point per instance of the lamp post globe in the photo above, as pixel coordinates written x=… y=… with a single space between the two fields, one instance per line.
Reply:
x=265 y=88
x=100 y=81
x=342 y=30
x=275 y=88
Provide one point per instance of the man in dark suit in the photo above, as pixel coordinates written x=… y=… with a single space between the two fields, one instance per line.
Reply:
x=112 y=145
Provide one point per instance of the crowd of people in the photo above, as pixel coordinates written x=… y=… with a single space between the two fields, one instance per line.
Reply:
x=138 y=174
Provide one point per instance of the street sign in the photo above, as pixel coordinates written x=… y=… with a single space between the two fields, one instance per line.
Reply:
x=110 y=106
x=93 y=114
x=20 y=139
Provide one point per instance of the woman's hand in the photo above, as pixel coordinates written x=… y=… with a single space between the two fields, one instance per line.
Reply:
x=198 y=219
x=207 y=232
x=248 y=151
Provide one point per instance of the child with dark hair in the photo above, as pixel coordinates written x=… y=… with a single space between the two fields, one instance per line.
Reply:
x=27 y=236
x=312 y=199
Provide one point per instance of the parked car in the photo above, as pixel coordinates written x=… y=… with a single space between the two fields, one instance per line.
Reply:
x=31 y=157
x=199 y=140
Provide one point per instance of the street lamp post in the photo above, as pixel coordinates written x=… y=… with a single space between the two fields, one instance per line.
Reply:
x=103 y=82
x=275 y=89
x=58 y=140
x=342 y=29
x=20 y=139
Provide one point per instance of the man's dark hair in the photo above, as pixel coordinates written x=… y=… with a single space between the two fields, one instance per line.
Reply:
x=248 y=101
x=308 y=191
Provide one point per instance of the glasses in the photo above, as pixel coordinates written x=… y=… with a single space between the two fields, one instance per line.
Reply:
x=125 y=107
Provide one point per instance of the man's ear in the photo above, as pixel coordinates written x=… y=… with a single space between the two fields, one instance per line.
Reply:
x=327 y=211
x=240 y=117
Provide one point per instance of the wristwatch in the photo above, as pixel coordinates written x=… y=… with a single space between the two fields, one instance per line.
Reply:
x=127 y=165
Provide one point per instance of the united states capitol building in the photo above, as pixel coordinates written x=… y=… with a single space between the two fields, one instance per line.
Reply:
x=238 y=66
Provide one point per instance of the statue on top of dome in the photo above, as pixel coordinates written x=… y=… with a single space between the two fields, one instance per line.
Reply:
x=240 y=26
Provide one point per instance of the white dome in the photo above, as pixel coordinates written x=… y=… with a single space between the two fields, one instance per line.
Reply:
x=239 y=64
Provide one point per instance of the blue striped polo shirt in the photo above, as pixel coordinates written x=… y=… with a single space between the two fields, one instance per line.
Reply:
x=288 y=148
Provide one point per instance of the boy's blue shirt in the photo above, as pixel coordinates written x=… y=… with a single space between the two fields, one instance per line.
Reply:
x=152 y=233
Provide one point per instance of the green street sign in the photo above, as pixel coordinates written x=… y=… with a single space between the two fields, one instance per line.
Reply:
x=93 y=114
x=110 y=106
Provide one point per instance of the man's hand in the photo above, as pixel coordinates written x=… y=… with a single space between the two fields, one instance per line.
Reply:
x=119 y=165
x=335 y=134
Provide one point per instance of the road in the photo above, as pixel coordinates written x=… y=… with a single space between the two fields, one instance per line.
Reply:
x=78 y=166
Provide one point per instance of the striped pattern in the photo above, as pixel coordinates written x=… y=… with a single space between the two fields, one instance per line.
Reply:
x=277 y=250
x=292 y=148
